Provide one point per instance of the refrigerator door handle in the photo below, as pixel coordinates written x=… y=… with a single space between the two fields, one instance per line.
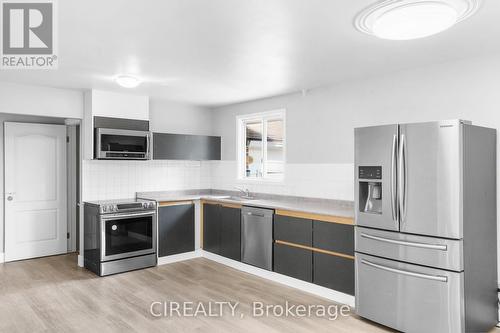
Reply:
x=406 y=243
x=407 y=273
x=394 y=199
x=403 y=176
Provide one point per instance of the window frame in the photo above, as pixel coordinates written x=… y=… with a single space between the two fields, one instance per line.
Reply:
x=241 y=122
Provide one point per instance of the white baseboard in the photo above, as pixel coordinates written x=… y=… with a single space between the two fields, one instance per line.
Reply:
x=2 y=257
x=311 y=288
x=80 y=261
x=179 y=257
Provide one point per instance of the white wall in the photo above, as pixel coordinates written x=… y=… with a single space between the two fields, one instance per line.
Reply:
x=122 y=179
x=105 y=179
x=180 y=118
x=320 y=125
x=40 y=101
x=26 y=103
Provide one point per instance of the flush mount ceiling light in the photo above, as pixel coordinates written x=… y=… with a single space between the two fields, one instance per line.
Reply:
x=411 y=19
x=127 y=81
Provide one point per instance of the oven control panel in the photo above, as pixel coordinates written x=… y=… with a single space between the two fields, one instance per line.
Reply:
x=127 y=207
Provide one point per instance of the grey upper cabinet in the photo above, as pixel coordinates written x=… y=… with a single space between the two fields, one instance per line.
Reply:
x=168 y=146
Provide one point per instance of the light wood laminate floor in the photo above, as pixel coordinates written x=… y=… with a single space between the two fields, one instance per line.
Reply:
x=53 y=295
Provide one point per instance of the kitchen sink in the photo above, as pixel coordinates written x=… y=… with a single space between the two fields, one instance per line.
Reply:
x=232 y=197
x=235 y=198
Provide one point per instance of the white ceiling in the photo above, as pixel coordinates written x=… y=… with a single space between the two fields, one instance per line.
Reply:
x=215 y=52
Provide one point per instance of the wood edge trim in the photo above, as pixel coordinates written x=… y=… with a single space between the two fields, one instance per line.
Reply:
x=316 y=217
x=314 y=249
x=174 y=203
x=223 y=204
x=201 y=224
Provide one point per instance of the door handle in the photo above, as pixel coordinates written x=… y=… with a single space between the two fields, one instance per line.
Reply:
x=148 y=146
x=10 y=198
x=407 y=273
x=393 y=179
x=403 y=177
x=406 y=243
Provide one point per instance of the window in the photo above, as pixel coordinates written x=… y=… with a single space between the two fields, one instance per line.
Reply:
x=261 y=146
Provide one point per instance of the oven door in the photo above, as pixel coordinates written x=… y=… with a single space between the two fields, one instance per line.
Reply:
x=122 y=144
x=127 y=235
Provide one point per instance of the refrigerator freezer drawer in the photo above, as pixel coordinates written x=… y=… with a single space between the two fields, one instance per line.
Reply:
x=408 y=297
x=421 y=250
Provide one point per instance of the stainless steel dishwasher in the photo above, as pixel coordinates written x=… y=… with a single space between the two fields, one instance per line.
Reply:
x=257 y=237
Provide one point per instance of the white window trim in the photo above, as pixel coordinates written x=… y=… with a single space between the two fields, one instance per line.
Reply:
x=240 y=153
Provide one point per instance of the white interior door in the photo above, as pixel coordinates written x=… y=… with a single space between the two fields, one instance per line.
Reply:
x=35 y=190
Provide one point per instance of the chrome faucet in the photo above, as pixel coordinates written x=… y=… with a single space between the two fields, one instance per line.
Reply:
x=245 y=191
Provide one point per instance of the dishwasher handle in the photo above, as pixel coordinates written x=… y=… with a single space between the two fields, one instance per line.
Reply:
x=255 y=214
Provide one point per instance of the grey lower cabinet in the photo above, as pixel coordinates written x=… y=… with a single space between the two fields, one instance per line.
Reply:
x=170 y=146
x=175 y=229
x=222 y=230
x=315 y=251
x=293 y=261
x=211 y=228
x=293 y=230
x=333 y=237
x=334 y=272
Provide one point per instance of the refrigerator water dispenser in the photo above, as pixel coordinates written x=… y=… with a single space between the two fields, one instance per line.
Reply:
x=370 y=197
x=370 y=191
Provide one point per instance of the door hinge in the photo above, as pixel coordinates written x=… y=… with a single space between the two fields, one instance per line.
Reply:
x=67 y=235
x=67 y=139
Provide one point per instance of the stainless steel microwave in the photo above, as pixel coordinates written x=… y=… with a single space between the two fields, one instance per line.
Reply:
x=117 y=144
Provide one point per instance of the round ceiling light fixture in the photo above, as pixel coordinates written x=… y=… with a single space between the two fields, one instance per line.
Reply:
x=412 y=19
x=127 y=81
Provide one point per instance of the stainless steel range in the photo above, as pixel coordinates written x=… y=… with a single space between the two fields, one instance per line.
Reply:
x=119 y=235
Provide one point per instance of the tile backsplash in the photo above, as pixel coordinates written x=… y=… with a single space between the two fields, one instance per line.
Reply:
x=328 y=181
x=122 y=179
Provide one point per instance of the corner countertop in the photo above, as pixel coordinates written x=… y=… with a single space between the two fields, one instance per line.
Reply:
x=318 y=206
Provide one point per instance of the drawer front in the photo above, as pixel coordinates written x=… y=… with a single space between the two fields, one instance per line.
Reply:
x=422 y=250
x=292 y=261
x=293 y=230
x=333 y=237
x=334 y=272
x=407 y=297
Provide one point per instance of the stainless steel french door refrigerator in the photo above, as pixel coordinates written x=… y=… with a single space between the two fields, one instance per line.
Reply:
x=425 y=244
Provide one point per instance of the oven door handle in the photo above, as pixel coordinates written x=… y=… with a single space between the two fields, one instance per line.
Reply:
x=120 y=216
